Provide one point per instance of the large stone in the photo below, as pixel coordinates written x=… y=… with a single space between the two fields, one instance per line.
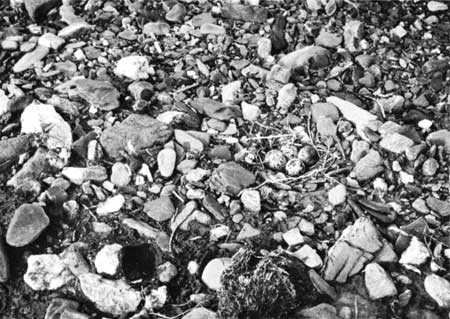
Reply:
x=156 y=28
x=315 y=56
x=441 y=137
x=436 y=6
x=28 y=222
x=30 y=59
x=319 y=110
x=439 y=206
x=368 y=166
x=51 y=41
x=244 y=12
x=213 y=271
x=231 y=178
x=396 y=143
x=357 y=245
x=200 y=313
x=328 y=40
x=100 y=94
x=160 y=209
x=79 y=175
x=134 y=67
x=439 y=289
x=115 y=297
x=378 y=283
x=38 y=9
x=135 y=133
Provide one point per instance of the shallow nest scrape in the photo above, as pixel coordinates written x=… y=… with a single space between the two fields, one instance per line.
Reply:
x=264 y=286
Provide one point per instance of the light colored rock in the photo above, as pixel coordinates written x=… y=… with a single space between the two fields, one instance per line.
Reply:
x=248 y=231
x=120 y=174
x=353 y=31
x=156 y=299
x=230 y=92
x=144 y=229
x=115 y=297
x=156 y=28
x=166 y=161
x=107 y=260
x=416 y=254
x=321 y=311
x=308 y=256
x=359 y=150
x=250 y=112
x=231 y=178
x=436 y=6
x=293 y=237
x=439 y=289
x=251 y=199
x=197 y=175
x=160 y=209
x=166 y=272
x=396 y=143
x=31 y=59
x=209 y=28
x=378 y=283
x=441 y=137
x=47 y=272
x=111 y=205
x=51 y=41
x=306 y=227
x=4 y=103
x=286 y=96
x=213 y=271
x=189 y=142
x=328 y=40
x=200 y=313
x=319 y=110
x=79 y=175
x=368 y=166
x=304 y=56
x=134 y=67
x=337 y=195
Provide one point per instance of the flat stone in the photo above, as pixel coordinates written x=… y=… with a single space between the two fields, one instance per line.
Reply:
x=247 y=13
x=388 y=128
x=378 y=283
x=115 y=297
x=328 y=40
x=438 y=288
x=75 y=29
x=209 y=28
x=38 y=9
x=30 y=59
x=302 y=57
x=176 y=13
x=215 y=109
x=213 y=271
x=51 y=41
x=308 y=256
x=202 y=18
x=100 y=94
x=293 y=237
x=416 y=254
x=247 y=232
x=160 y=209
x=396 y=143
x=134 y=67
x=79 y=175
x=368 y=166
x=189 y=142
x=110 y=205
x=136 y=132
x=166 y=162
x=321 y=311
x=439 y=206
x=47 y=272
x=144 y=229
x=437 y=6
x=441 y=137
x=28 y=222
x=107 y=260
x=319 y=110
x=200 y=313
x=264 y=48
x=326 y=127
x=231 y=178
x=156 y=28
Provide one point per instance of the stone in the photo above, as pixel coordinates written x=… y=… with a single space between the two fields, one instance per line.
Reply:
x=160 y=209
x=319 y=110
x=80 y=175
x=28 y=222
x=230 y=92
x=416 y=254
x=441 y=137
x=160 y=237
x=215 y=109
x=107 y=260
x=4 y=103
x=99 y=94
x=359 y=150
x=247 y=232
x=210 y=28
x=110 y=205
x=74 y=29
x=13 y=147
x=37 y=118
x=166 y=272
x=326 y=127
x=439 y=206
x=293 y=237
x=328 y=40
x=430 y=167
x=437 y=6
x=176 y=13
x=120 y=174
x=353 y=31
x=378 y=283
x=368 y=166
x=251 y=200
x=231 y=178
x=438 y=288
x=200 y=313
x=388 y=128
x=73 y=258
x=386 y=255
x=156 y=28
x=134 y=67
x=115 y=297
x=286 y=96
x=308 y=256
x=392 y=104
x=357 y=245
x=213 y=271
x=202 y=18
x=60 y=308
x=250 y=112
x=30 y=59
x=398 y=32
x=306 y=227
x=197 y=175
x=264 y=48
x=136 y=132
x=51 y=41
x=396 y=143
x=420 y=205
x=236 y=11
x=189 y=142
x=337 y=195
x=321 y=311
x=315 y=56
x=47 y=272
x=166 y=160
x=38 y=9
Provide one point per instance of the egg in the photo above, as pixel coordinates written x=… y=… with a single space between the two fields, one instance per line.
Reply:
x=275 y=159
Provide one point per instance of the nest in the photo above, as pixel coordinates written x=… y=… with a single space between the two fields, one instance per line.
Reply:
x=263 y=287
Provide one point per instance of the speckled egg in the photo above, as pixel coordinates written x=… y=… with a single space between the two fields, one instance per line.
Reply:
x=290 y=151
x=275 y=160
x=308 y=155
x=295 y=167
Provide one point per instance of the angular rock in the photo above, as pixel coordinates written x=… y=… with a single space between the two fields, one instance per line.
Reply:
x=319 y=110
x=13 y=147
x=189 y=142
x=396 y=143
x=176 y=13
x=321 y=311
x=315 y=56
x=416 y=254
x=134 y=67
x=378 y=283
x=107 y=260
x=111 y=205
x=166 y=272
x=47 y=272
x=439 y=206
x=439 y=289
x=160 y=209
x=308 y=256
x=135 y=133
x=51 y=41
x=368 y=166
x=100 y=94
x=359 y=150
x=353 y=30
x=79 y=175
x=28 y=222
x=244 y=12
x=250 y=112
x=156 y=28
x=247 y=232
x=231 y=178
x=441 y=137
x=115 y=297
x=160 y=237
x=215 y=109
x=337 y=195
x=328 y=40
x=213 y=271
x=30 y=59
x=60 y=308
x=286 y=96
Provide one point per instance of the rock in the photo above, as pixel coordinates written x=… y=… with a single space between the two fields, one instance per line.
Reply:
x=60 y=308
x=120 y=174
x=328 y=40
x=416 y=253
x=4 y=264
x=156 y=28
x=230 y=92
x=141 y=90
x=386 y=255
x=321 y=311
x=37 y=118
x=235 y=11
x=278 y=76
x=353 y=30
x=357 y=245
x=293 y=237
x=247 y=232
x=231 y=178
x=439 y=206
x=73 y=258
x=4 y=103
x=319 y=110
x=278 y=34
x=368 y=166
x=251 y=200
x=250 y=112
x=378 y=283
x=176 y=13
x=213 y=271
x=75 y=29
x=264 y=48
x=202 y=18
x=107 y=260
x=99 y=94
x=359 y=150
x=38 y=9
x=215 y=109
x=13 y=147
x=398 y=32
x=47 y=272
x=134 y=67
x=160 y=209
x=286 y=96
x=210 y=28
x=51 y=41
x=439 y=289
x=388 y=128
x=437 y=6
x=326 y=127
x=308 y=256
x=160 y=237
x=200 y=313
x=396 y=143
x=441 y=137
x=430 y=167
x=135 y=133
x=317 y=56
x=111 y=205
x=197 y=175
x=28 y=222
x=30 y=59
x=115 y=297
x=166 y=272
x=166 y=162
x=392 y=104
x=306 y=227
x=79 y=175
x=189 y=142
x=337 y=195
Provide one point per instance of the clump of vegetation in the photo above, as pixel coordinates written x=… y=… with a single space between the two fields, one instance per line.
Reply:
x=264 y=286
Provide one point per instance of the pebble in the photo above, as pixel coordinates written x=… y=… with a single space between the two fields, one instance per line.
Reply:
x=293 y=237
x=317 y=55
x=308 y=256
x=107 y=260
x=264 y=48
x=111 y=205
x=99 y=94
x=319 y=110
x=47 y=272
x=231 y=178
x=51 y=41
x=31 y=59
x=166 y=272
x=396 y=143
x=160 y=237
x=120 y=174
x=247 y=232
x=28 y=222
x=368 y=166
x=156 y=28
x=437 y=6
x=420 y=205
x=286 y=97
x=190 y=143
x=166 y=162
x=250 y=112
x=430 y=167
x=251 y=200
x=200 y=313
x=439 y=206
x=213 y=271
x=134 y=67
x=337 y=195
x=378 y=283
x=160 y=209
x=328 y=40
x=359 y=150
x=176 y=13
x=210 y=28
x=441 y=137
x=416 y=254
x=80 y=175
x=438 y=288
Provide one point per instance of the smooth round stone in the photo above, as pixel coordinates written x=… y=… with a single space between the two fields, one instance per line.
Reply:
x=28 y=222
x=166 y=161
x=213 y=271
x=120 y=174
